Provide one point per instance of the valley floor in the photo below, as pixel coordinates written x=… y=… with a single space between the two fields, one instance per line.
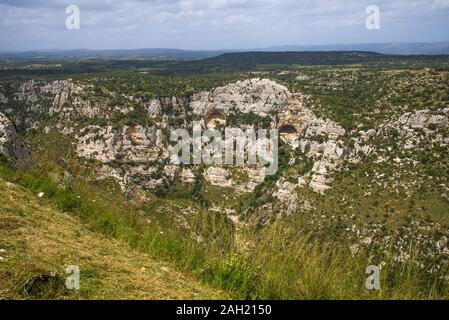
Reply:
x=38 y=242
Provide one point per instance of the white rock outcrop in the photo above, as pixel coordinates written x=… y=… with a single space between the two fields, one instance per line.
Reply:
x=219 y=177
x=187 y=176
x=260 y=96
x=12 y=148
x=105 y=144
x=318 y=138
x=423 y=118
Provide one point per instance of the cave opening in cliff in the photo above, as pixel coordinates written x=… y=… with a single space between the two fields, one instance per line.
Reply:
x=287 y=129
x=216 y=116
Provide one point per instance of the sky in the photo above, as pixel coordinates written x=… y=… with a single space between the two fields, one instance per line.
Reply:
x=216 y=24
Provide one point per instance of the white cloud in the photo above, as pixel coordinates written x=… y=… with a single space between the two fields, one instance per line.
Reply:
x=440 y=4
x=215 y=23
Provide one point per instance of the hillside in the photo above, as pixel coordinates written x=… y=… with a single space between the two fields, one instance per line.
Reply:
x=361 y=166
x=302 y=58
x=434 y=48
x=211 y=67
x=385 y=48
x=38 y=242
x=109 y=54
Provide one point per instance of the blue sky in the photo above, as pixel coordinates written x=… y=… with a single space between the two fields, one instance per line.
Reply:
x=216 y=24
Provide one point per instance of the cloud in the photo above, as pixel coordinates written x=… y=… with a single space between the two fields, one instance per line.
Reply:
x=440 y=4
x=31 y=24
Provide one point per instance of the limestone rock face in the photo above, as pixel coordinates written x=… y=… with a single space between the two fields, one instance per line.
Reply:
x=286 y=194
x=306 y=123
x=255 y=177
x=423 y=118
x=333 y=153
x=137 y=149
x=412 y=129
x=139 y=152
x=319 y=138
x=62 y=98
x=260 y=96
x=137 y=156
x=58 y=91
x=3 y=99
x=106 y=144
x=187 y=176
x=11 y=146
x=154 y=108
x=219 y=177
x=424 y=121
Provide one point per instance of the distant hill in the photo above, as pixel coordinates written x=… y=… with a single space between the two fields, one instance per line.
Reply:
x=247 y=61
x=109 y=54
x=432 y=48
x=417 y=48
x=305 y=58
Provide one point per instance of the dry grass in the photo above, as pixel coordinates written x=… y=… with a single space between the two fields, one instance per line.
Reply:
x=40 y=242
x=279 y=261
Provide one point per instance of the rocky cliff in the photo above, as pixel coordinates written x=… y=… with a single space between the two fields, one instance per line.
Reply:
x=128 y=138
x=12 y=148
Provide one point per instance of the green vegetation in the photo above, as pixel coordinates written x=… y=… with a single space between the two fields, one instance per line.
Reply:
x=308 y=254
x=250 y=118
x=226 y=63
x=277 y=262
x=39 y=241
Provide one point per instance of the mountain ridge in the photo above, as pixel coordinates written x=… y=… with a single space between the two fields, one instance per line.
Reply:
x=400 y=48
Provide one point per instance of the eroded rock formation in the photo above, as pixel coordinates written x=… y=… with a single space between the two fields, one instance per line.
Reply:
x=12 y=148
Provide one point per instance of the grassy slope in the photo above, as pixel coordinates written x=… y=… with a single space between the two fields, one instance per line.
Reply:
x=272 y=263
x=40 y=242
x=281 y=261
x=278 y=262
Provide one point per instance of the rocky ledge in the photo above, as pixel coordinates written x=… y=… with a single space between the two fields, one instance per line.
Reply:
x=12 y=148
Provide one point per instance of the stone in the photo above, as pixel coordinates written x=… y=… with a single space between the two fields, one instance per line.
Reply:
x=106 y=144
x=187 y=176
x=12 y=147
x=219 y=177
x=260 y=96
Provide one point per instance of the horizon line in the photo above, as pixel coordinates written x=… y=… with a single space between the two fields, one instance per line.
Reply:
x=222 y=49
